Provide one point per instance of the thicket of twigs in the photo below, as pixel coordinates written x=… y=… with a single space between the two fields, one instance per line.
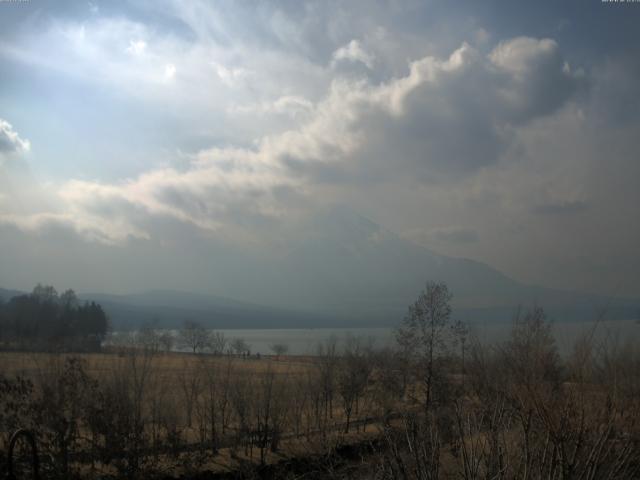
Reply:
x=522 y=412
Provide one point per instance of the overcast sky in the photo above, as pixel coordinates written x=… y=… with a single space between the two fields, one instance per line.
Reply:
x=140 y=139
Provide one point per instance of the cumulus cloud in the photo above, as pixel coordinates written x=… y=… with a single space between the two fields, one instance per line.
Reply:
x=444 y=115
x=291 y=105
x=225 y=193
x=10 y=141
x=353 y=52
x=448 y=115
x=538 y=78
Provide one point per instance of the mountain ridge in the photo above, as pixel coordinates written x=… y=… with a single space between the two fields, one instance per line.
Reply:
x=346 y=270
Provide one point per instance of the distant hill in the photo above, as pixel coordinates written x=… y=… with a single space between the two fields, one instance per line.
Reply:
x=6 y=295
x=168 y=309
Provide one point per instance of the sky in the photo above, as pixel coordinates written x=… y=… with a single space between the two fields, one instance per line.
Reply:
x=169 y=144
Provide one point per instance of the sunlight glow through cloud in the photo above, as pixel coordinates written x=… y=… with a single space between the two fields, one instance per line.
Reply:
x=169 y=71
x=137 y=47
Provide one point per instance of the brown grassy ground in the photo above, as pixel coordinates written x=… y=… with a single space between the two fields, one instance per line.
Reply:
x=31 y=364
x=169 y=370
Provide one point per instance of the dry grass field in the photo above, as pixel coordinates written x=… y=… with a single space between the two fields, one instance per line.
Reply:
x=191 y=411
x=172 y=364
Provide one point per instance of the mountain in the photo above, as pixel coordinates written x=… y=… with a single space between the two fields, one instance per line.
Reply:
x=337 y=268
x=346 y=264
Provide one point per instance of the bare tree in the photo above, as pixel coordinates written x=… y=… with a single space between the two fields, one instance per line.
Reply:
x=69 y=300
x=411 y=451
x=118 y=417
x=242 y=403
x=353 y=377
x=269 y=411
x=279 y=349
x=148 y=338
x=299 y=401
x=239 y=346
x=328 y=366
x=166 y=341
x=217 y=343
x=390 y=381
x=63 y=390
x=190 y=385
x=314 y=388
x=426 y=334
x=222 y=398
x=215 y=389
x=531 y=352
x=194 y=336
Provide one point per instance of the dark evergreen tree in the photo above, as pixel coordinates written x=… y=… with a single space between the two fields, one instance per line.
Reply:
x=43 y=319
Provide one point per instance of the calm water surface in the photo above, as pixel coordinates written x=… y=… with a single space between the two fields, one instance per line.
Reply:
x=305 y=341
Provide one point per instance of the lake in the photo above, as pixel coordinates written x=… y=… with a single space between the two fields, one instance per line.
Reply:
x=305 y=341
